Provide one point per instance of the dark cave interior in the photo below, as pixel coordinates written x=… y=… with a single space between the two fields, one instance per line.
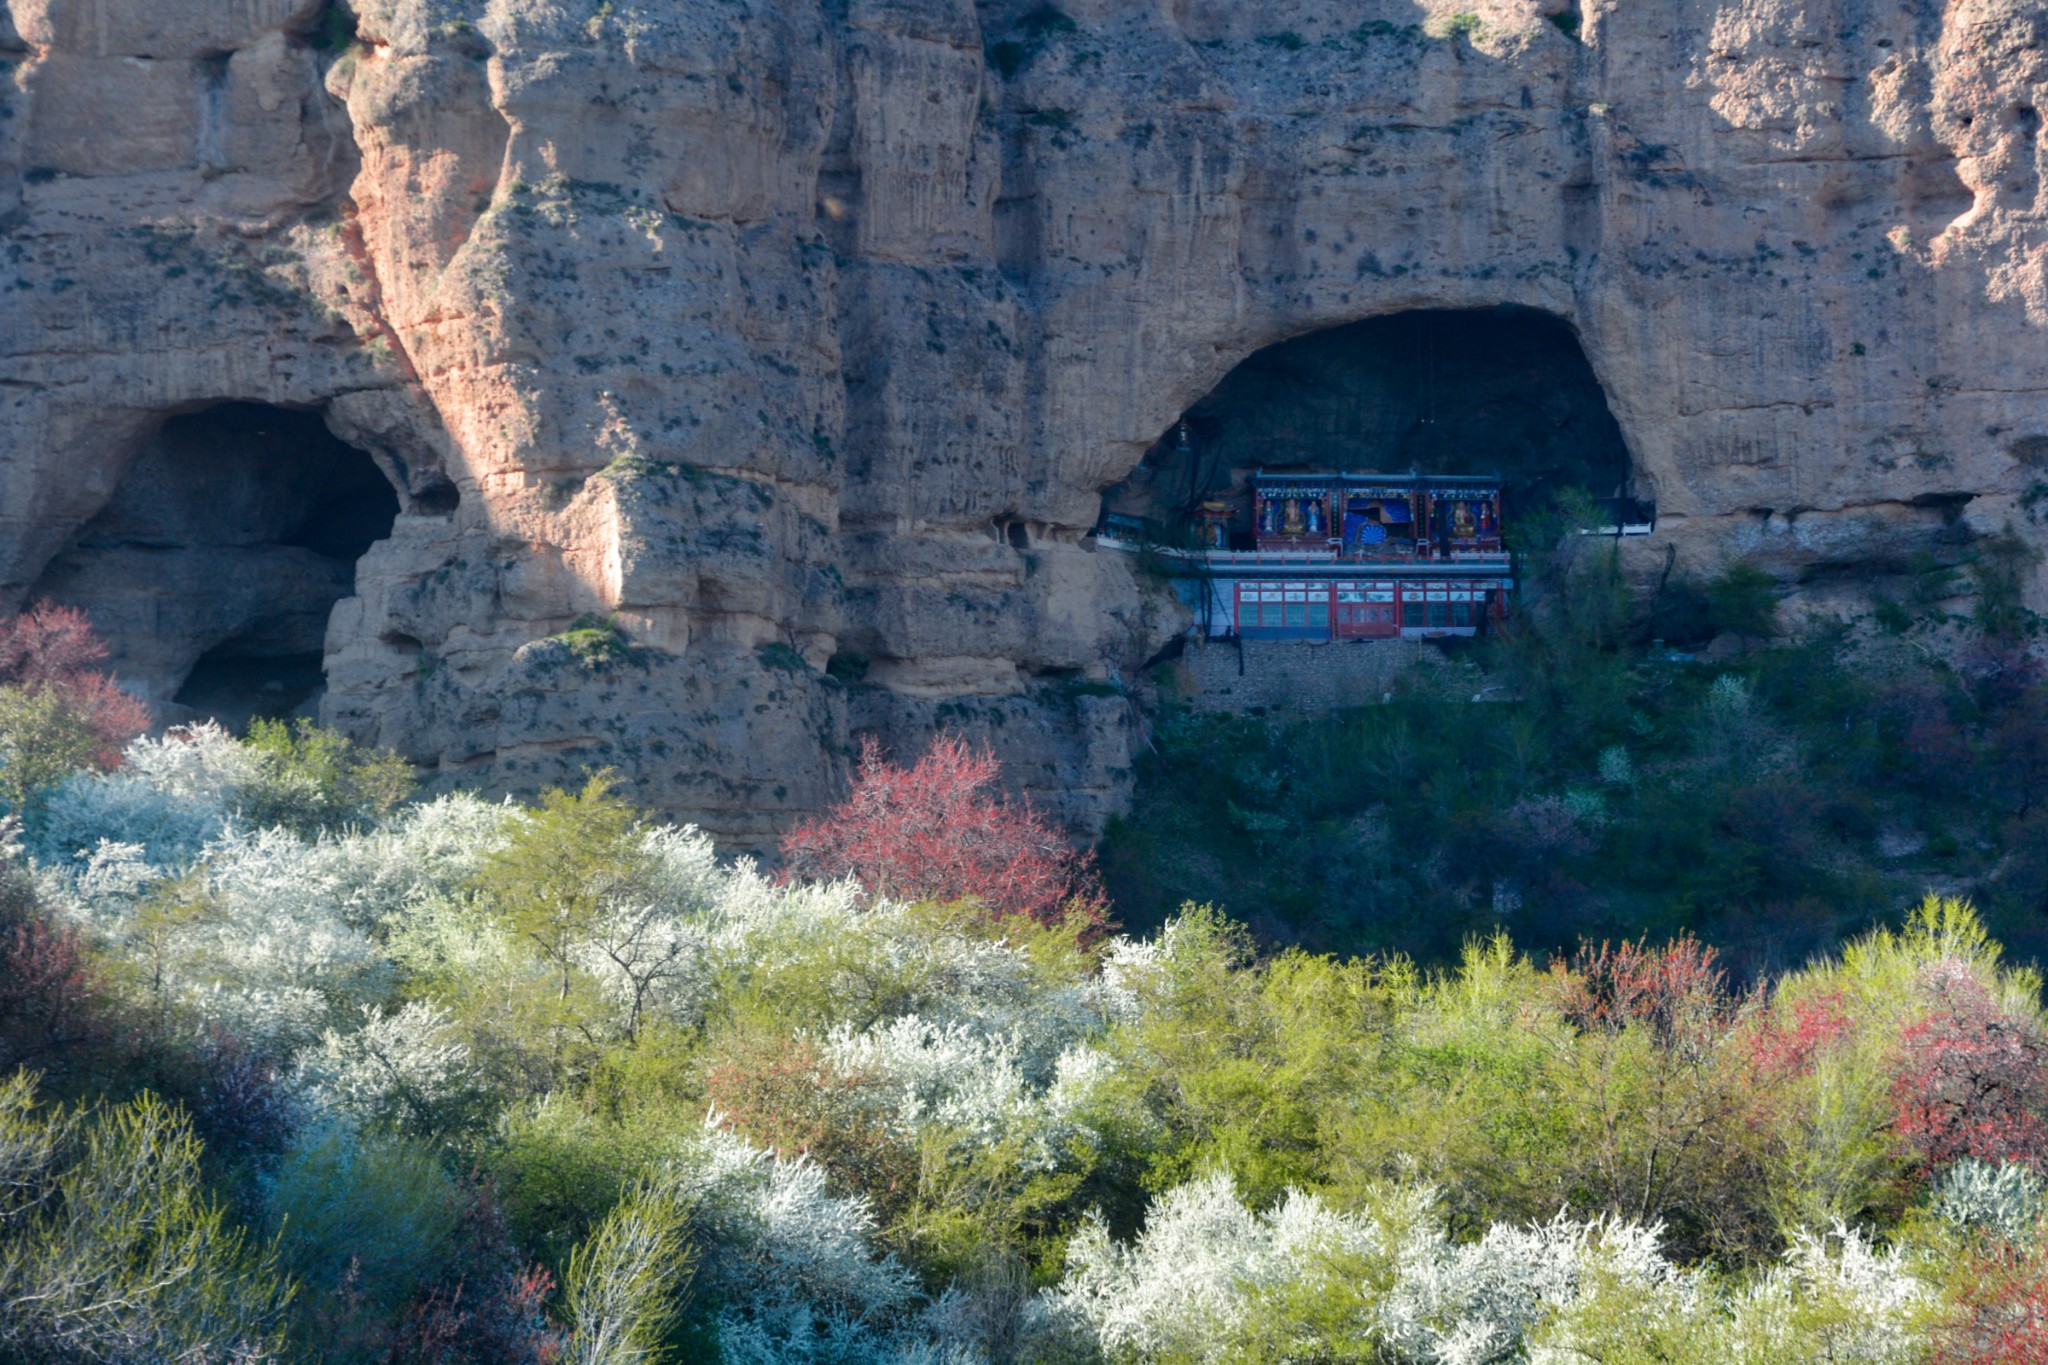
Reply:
x=1505 y=391
x=212 y=569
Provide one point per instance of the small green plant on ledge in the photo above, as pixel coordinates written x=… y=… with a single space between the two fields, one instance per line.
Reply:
x=1463 y=24
x=624 y=469
x=596 y=642
x=776 y=654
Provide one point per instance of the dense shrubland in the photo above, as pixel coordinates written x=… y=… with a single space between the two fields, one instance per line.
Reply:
x=297 y=1068
x=1794 y=792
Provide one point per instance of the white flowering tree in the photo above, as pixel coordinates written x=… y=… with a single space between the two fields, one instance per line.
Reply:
x=1210 y=1280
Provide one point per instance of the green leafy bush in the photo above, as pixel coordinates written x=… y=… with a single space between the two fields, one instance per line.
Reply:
x=596 y=642
x=556 y=885
x=112 y=1249
x=43 y=739
x=309 y=778
x=368 y=1216
x=1463 y=24
x=337 y=30
x=1743 y=601
x=777 y=655
x=624 y=1284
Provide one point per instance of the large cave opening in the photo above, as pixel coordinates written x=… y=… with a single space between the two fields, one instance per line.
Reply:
x=213 y=567
x=1499 y=391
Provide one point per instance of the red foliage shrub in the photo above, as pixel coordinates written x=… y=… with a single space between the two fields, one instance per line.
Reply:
x=943 y=831
x=54 y=648
x=2001 y=672
x=1779 y=1050
x=241 y=1107
x=1677 y=991
x=1971 y=1078
x=484 y=1307
x=48 y=646
x=507 y=1324
x=488 y=1305
x=1933 y=740
x=115 y=716
x=2005 y=1312
x=52 y=1017
x=2017 y=755
x=56 y=1014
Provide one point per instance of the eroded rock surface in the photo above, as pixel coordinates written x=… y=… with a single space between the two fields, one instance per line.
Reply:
x=803 y=335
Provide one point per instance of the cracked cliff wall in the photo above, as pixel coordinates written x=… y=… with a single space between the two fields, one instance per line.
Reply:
x=803 y=330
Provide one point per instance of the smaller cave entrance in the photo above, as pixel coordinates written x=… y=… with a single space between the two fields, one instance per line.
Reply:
x=236 y=682
x=1501 y=391
x=215 y=564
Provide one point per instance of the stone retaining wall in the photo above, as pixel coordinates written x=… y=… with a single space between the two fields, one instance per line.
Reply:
x=1285 y=675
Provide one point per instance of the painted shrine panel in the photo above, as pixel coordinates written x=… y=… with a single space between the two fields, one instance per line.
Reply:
x=1377 y=518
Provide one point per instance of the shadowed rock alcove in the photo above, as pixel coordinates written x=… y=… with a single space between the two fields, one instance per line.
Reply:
x=1504 y=391
x=213 y=567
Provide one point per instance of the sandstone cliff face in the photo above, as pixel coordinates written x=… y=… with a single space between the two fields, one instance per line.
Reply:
x=802 y=330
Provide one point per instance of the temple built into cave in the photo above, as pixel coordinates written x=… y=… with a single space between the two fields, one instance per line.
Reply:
x=1344 y=556
x=1263 y=497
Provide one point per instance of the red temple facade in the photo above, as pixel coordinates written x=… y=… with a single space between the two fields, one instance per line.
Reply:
x=1353 y=557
